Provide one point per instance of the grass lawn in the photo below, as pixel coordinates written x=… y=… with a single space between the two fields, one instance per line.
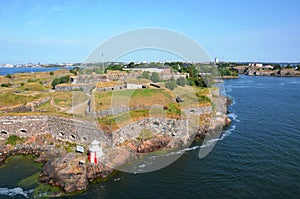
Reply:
x=114 y=122
x=138 y=97
x=13 y=99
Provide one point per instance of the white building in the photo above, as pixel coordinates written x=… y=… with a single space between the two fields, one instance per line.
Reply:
x=95 y=152
x=268 y=67
x=255 y=65
x=134 y=86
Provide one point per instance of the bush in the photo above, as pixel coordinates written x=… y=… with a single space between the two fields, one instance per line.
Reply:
x=51 y=73
x=22 y=84
x=197 y=82
x=61 y=80
x=171 y=84
x=155 y=77
x=8 y=76
x=31 y=80
x=182 y=81
x=145 y=75
x=6 y=85
x=55 y=82
x=13 y=140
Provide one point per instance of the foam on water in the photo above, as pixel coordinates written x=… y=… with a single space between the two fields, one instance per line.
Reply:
x=15 y=191
x=207 y=144
x=234 y=117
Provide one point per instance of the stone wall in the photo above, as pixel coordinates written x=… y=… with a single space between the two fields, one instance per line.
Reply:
x=199 y=110
x=112 y=88
x=25 y=108
x=162 y=126
x=65 y=129
x=74 y=87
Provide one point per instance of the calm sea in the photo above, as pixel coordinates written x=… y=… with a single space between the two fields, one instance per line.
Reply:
x=5 y=71
x=258 y=156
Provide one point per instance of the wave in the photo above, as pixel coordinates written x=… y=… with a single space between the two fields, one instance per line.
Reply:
x=227 y=132
x=233 y=102
x=15 y=191
x=234 y=117
x=228 y=89
x=209 y=143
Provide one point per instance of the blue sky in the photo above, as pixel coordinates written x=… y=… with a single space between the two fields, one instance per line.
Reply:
x=67 y=31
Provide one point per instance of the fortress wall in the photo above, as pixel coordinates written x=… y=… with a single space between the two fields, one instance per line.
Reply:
x=164 y=126
x=65 y=129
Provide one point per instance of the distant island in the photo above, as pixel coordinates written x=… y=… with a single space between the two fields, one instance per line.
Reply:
x=85 y=122
x=232 y=69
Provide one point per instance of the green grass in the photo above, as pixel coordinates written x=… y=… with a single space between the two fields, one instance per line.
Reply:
x=114 y=122
x=204 y=99
x=12 y=99
x=70 y=147
x=173 y=110
x=138 y=97
x=13 y=140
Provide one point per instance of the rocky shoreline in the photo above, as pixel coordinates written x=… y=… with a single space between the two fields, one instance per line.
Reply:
x=63 y=169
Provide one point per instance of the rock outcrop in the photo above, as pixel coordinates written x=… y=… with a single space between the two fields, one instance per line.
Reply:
x=65 y=172
x=153 y=144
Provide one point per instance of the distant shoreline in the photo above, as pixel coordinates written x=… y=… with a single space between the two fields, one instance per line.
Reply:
x=6 y=70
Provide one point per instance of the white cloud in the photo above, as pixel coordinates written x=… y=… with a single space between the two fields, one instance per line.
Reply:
x=35 y=22
x=56 y=8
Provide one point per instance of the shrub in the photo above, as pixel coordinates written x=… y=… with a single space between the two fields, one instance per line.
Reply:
x=51 y=73
x=61 y=80
x=8 y=76
x=182 y=81
x=6 y=85
x=145 y=75
x=171 y=84
x=155 y=77
x=13 y=140
x=197 y=82
x=31 y=80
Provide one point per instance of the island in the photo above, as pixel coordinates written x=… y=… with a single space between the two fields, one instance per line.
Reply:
x=230 y=70
x=86 y=122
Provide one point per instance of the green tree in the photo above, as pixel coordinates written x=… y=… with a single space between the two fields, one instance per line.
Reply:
x=192 y=71
x=145 y=75
x=6 y=85
x=51 y=73
x=61 y=80
x=171 y=84
x=8 y=76
x=55 y=82
x=276 y=67
x=289 y=66
x=155 y=77
x=130 y=65
x=197 y=82
x=182 y=81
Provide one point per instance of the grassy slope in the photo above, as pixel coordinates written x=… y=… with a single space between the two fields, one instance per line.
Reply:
x=139 y=97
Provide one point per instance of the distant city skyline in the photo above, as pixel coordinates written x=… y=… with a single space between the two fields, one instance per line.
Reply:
x=67 y=31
